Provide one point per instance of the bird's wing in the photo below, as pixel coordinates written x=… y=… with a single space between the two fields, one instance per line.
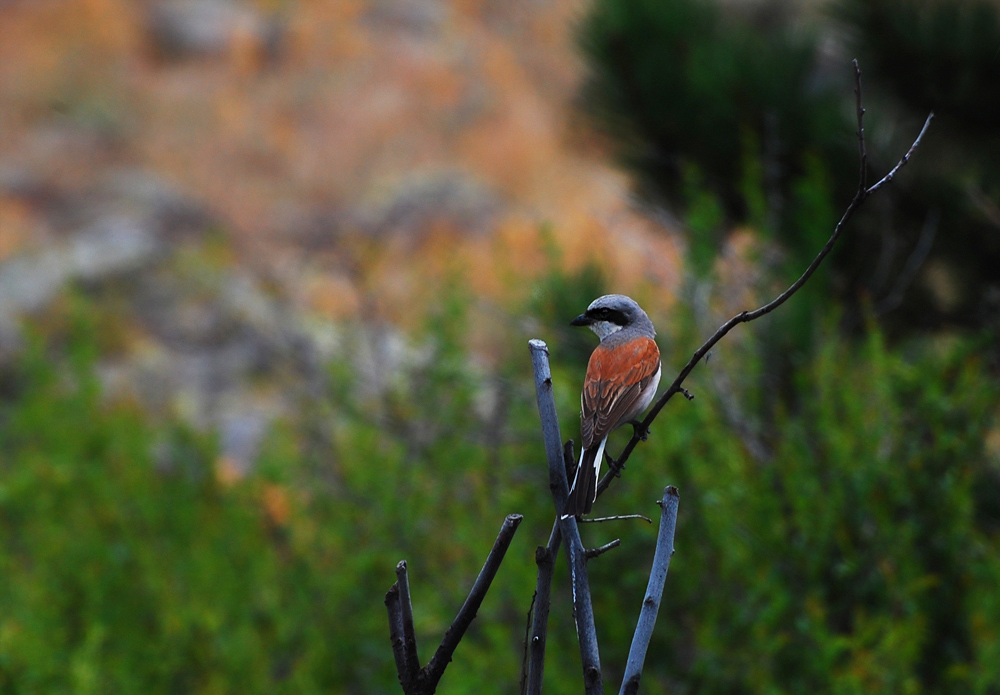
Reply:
x=615 y=378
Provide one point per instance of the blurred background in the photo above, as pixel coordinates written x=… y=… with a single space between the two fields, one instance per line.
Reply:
x=267 y=273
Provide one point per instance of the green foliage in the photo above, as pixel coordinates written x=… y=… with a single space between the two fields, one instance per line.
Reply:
x=684 y=83
x=130 y=566
x=844 y=563
x=934 y=54
x=559 y=297
x=738 y=94
x=705 y=218
x=939 y=55
x=860 y=557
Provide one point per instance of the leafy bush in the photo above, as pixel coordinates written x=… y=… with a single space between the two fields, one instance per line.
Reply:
x=694 y=92
x=860 y=556
x=728 y=113
x=942 y=55
x=852 y=559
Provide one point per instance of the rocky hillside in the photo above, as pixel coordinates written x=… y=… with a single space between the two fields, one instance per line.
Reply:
x=296 y=125
x=234 y=185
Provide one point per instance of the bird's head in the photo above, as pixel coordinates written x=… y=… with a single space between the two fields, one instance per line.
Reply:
x=611 y=313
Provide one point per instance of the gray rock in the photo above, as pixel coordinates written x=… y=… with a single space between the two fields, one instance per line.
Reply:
x=206 y=28
x=205 y=341
x=113 y=245
x=422 y=198
x=28 y=283
x=241 y=432
x=416 y=17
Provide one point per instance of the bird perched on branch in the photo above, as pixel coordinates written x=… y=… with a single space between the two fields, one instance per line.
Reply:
x=622 y=376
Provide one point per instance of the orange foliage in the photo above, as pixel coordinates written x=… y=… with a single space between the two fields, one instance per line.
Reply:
x=357 y=93
x=341 y=122
x=276 y=504
x=15 y=221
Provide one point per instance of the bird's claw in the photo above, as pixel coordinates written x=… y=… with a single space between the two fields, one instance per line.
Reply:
x=613 y=465
x=638 y=430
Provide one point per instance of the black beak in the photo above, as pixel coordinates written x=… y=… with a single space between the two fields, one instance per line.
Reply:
x=581 y=320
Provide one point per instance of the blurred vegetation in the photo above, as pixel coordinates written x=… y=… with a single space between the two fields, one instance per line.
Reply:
x=693 y=91
x=839 y=526
x=942 y=55
x=753 y=101
x=860 y=557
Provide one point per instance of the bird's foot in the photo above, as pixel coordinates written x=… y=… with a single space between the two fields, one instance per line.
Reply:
x=639 y=430
x=613 y=465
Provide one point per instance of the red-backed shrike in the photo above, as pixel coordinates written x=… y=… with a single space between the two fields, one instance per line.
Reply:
x=622 y=377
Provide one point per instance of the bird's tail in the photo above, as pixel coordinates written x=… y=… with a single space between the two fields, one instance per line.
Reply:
x=583 y=491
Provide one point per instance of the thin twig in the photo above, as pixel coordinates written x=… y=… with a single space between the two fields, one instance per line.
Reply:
x=527 y=636
x=583 y=610
x=591 y=553
x=862 y=150
x=435 y=668
x=902 y=162
x=413 y=679
x=860 y=196
x=619 y=517
x=654 y=592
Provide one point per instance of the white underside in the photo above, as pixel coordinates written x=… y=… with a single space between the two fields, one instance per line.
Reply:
x=645 y=398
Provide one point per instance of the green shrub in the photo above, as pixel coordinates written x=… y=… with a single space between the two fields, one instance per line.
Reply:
x=860 y=556
x=734 y=114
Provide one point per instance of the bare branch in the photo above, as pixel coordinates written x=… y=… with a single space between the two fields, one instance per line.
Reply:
x=527 y=635
x=412 y=663
x=550 y=422
x=413 y=679
x=559 y=487
x=591 y=553
x=860 y=196
x=654 y=592
x=545 y=558
x=862 y=151
x=905 y=158
x=435 y=668
x=583 y=610
x=396 y=636
x=618 y=517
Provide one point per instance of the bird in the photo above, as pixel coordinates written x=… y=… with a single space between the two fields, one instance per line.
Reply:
x=622 y=376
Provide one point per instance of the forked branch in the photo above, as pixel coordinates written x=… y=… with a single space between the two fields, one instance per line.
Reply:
x=862 y=194
x=424 y=681
x=583 y=610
